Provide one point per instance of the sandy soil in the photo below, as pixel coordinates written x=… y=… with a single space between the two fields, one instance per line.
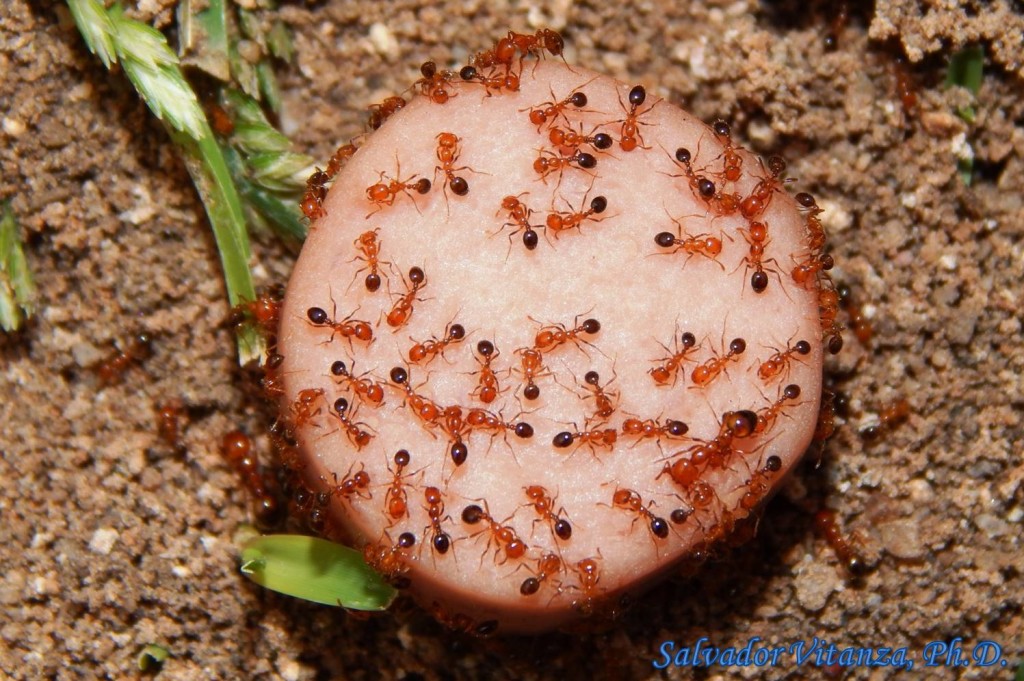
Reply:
x=113 y=541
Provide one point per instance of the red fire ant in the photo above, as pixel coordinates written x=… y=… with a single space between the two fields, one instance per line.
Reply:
x=704 y=189
x=547 y=565
x=306 y=406
x=508 y=82
x=669 y=371
x=481 y=419
x=427 y=411
x=549 y=111
x=757 y=238
x=504 y=51
x=826 y=424
x=766 y=417
x=396 y=500
x=701 y=244
x=563 y=222
x=427 y=350
x=456 y=428
x=778 y=364
x=402 y=309
x=347 y=327
x=440 y=539
x=168 y=424
x=569 y=141
x=828 y=310
x=338 y=159
x=316 y=186
x=604 y=400
x=588 y=573
x=434 y=83
x=312 y=203
x=604 y=438
x=237 y=449
x=369 y=252
x=732 y=169
x=632 y=501
x=532 y=366
x=537 y=43
x=815 y=230
x=807 y=271
x=111 y=370
x=685 y=471
x=503 y=535
x=759 y=484
x=630 y=137
x=390 y=559
x=356 y=435
x=448 y=155
x=544 y=504
x=352 y=485
x=755 y=203
x=312 y=505
x=487 y=388
x=889 y=416
x=383 y=111
x=366 y=389
x=270 y=383
x=707 y=372
x=827 y=526
x=651 y=429
x=549 y=162
x=384 y=193
x=519 y=216
x=859 y=322
x=264 y=311
x=551 y=337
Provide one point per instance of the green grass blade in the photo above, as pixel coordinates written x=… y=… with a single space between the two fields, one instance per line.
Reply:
x=210 y=174
x=315 y=570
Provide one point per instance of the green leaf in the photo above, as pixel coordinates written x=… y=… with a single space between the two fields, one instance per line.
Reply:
x=315 y=570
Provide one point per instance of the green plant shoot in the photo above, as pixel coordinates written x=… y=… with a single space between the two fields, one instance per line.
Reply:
x=315 y=570
x=966 y=69
x=153 y=69
x=17 y=290
x=152 y=658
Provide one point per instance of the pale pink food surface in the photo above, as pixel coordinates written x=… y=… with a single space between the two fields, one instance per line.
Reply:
x=610 y=269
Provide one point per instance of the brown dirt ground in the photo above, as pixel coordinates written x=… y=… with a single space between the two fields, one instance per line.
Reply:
x=113 y=541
